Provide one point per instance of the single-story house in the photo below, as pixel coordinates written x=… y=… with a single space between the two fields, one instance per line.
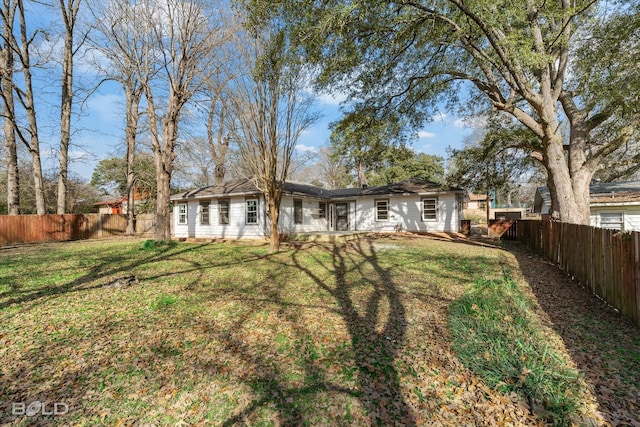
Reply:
x=111 y=206
x=119 y=205
x=236 y=209
x=476 y=201
x=614 y=205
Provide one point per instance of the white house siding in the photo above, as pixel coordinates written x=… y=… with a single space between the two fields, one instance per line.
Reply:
x=311 y=221
x=630 y=214
x=405 y=213
x=236 y=229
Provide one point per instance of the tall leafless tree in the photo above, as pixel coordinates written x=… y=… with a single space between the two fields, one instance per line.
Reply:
x=272 y=110
x=182 y=37
x=119 y=46
x=21 y=42
x=217 y=140
x=7 y=60
x=69 y=11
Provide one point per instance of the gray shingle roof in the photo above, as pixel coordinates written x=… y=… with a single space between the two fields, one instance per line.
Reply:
x=238 y=186
x=602 y=192
x=246 y=186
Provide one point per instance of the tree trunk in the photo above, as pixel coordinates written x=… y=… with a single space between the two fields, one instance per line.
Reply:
x=11 y=149
x=13 y=177
x=38 y=180
x=164 y=169
x=132 y=118
x=360 y=173
x=563 y=200
x=29 y=105
x=219 y=173
x=220 y=147
x=163 y=211
x=65 y=108
x=273 y=207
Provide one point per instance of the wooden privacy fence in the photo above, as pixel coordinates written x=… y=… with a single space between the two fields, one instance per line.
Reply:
x=51 y=228
x=605 y=261
x=506 y=229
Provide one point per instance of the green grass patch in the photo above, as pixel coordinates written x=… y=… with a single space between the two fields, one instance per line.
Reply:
x=228 y=334
x=151 y=244
x=163 y=302
x=498 y=335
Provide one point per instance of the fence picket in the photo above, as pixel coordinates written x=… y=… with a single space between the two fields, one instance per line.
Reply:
x=605 y=261
x=51 y=228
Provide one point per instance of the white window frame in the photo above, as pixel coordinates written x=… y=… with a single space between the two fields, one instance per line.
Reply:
x=380 y=209
x=609 y=221
x=205 y=210
x=227 y=203
x=251 y=210
x=298 y=215
x=322 y=210
x=182 y=214
x=433 y=209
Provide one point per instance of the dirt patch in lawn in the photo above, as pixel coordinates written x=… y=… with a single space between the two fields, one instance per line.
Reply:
x=603 y=344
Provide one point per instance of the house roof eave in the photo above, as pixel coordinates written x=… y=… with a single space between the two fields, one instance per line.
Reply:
x=614 y=204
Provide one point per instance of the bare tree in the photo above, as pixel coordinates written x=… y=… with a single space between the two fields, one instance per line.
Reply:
x=7 y=60
x=22 y=42
x=181 y=40
x=272 y=110
x=69 y=11
x=119 y=48
x=333 y=169
x=213 y=102
x=194 y=165
x=218 y=144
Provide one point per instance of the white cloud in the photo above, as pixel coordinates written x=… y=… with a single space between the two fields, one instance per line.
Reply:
x=426 y=135
x=439 y=117
x=306 y=148
x=108 y=107
x=471 y=122
x=331 y=99
x=77 y=155
x=73 y=155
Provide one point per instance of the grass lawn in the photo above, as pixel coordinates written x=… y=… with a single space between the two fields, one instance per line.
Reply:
x=395 y=331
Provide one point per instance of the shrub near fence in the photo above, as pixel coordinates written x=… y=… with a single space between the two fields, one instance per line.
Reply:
x=51 y=228
x=605 y=261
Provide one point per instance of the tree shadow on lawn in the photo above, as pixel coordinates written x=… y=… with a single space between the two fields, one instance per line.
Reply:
x=603 y=344
x=110 y=266
x=373 y=349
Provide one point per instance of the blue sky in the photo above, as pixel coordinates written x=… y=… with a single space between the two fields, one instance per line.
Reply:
x=440 y=132
x=99 y=132
x=98 y=128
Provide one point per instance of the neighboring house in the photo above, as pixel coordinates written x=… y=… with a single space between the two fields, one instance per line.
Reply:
x=476 y=201
x=118 y=206
x=614 y=205
x=476 y=210
x=236 y=209
x=111 y=206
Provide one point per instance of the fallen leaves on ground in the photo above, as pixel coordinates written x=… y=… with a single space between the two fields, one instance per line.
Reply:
x=226 y=334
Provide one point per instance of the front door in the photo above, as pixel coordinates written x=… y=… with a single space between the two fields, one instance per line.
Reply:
x=342 y=216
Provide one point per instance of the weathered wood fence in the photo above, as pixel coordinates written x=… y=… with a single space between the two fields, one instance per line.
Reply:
x=506 y=229
x=605 y=261
x=51 y=228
